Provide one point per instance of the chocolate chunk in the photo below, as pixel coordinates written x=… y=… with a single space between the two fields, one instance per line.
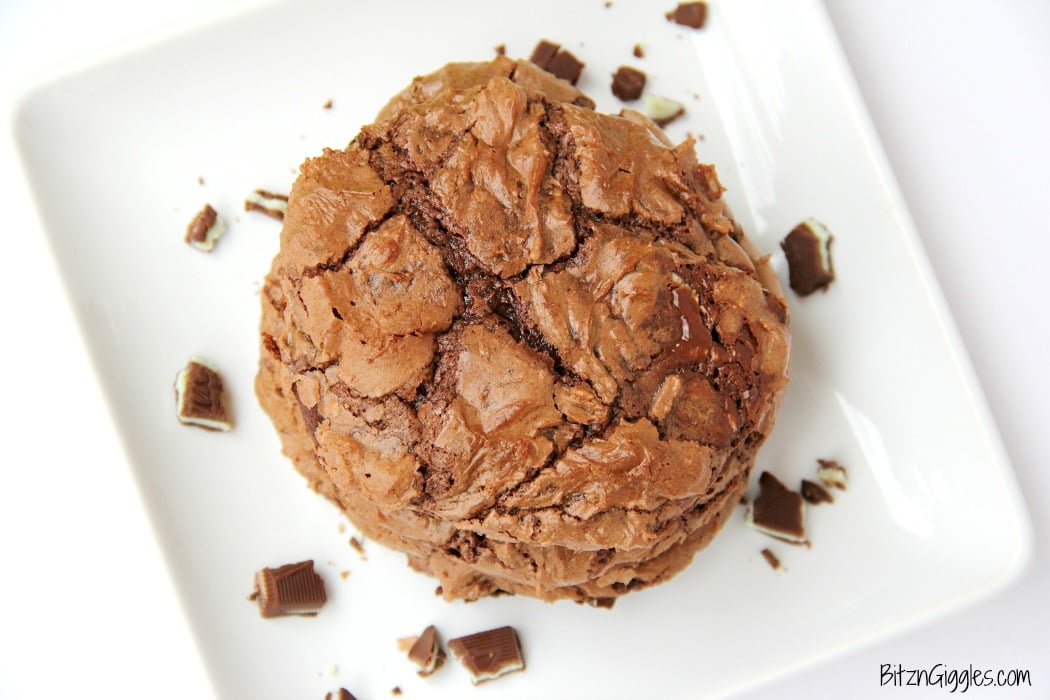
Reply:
x=815 y=493
x=199 y=396
x=566 y=66
x=544 y=53
x=772 y=560
x=205 y=228
x=489 y=654
x=808 y=252
x=554 y=59
x=778 y=511
x=426 y=652
x=638 y=51
x=832 y=474
x=269 y=203
x=292 y=589
x=662 y=110
x=341 y=694
x=689 y=14
x=628 y=83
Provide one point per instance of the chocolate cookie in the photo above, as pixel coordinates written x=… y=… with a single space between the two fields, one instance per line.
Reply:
x=519 y=340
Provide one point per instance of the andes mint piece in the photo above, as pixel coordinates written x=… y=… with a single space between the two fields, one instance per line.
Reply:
x=489 y=654
x=689 y=14
x=662 y=110
x=808 y=252
x=205 y=229
x=832 y=474
x=269 y=203
x=292 y=589
x=628 y=83
x=426 y=653
x=778 y=511
x=198 y=396
x=815 y=493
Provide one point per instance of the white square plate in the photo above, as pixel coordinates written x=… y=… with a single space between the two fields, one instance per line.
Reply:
x=114 y=148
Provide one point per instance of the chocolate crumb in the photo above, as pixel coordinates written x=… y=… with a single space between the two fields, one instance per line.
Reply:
x=358 y=546
x=199 y=396
x=815 y=493
x=628 y=83
x=689 y=14
x=808 y=252
x=554 y=59
x=292 y=589
x=440 y=590
x=606 y=602
x=832 y=474
x=638 y=51
x=772 y=560
x=341 y=694
x=426 y=652
x=501 y=50
x=205 y=229
x=778 y=511
x=269 y=203
x=327 y=105
x=489 y=654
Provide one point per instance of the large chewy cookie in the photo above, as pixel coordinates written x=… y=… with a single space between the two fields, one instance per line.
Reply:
x=520 y=340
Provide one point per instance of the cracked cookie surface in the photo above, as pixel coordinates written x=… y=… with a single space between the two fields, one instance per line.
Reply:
x=520 y=340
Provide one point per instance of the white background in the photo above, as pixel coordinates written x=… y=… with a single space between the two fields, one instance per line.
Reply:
x=959 y=92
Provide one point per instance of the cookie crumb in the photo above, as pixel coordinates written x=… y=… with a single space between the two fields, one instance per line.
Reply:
x=689 y=14
x=638 y=51
x=501 y=49
x=628 y=83
x=327 y=105
x=772 y=560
